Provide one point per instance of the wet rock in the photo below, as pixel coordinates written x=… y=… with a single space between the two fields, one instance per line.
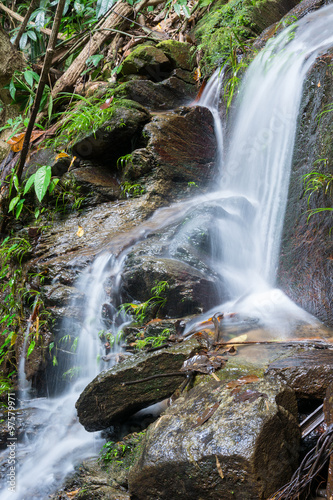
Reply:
x=306 y=263
x=147 y=60
x=140 y=163
x=163 y=95
x=181 y=54
x=106 y=401
x=91 y=480
x=297 y=12
x=184 y=144
x=309 y=374
x=97 y=183
x=189 y=291
x=116 y=137
x=218 y=443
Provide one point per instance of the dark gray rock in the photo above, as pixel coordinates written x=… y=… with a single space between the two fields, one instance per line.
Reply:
x=106 y=401
x=218 y=443
x=189 y=291
x=306 y=264
x=146 y=60
x=309 y=373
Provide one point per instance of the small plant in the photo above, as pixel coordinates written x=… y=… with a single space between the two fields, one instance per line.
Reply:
x=151 y=306
x=152 y=342
x=123 y=160
x=315 y=182
x=131 y=190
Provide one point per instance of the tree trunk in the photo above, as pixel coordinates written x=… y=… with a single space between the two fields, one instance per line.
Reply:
x=116 y=20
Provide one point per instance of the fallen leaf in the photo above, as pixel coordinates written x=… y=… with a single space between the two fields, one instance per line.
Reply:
x=80 y=232
x=61 y=155
x=239 y=339
x=16 y=142
x=247 y=379
x=219 y=468
x=72 y=494
x=72 y=161
x=318 y=84
x=107 y=103
x=197 y=74
x=206 y=415
x=249 y=396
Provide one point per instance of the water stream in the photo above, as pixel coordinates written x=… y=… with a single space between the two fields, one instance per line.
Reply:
x=252 y=192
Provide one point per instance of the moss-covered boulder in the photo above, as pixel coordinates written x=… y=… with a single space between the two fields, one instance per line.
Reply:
x=181 y=54
x=147 y=60
x=228 y=26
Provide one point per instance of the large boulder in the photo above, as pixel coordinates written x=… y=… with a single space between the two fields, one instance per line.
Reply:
x=220 y=443
x=106 y=400
x=306 y=264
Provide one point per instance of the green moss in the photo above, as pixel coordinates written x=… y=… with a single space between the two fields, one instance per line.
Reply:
x=181 y=54
x=233 y=24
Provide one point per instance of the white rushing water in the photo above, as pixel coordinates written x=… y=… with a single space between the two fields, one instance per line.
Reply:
x=256 y=167
x=56 y=441
x=252 y=191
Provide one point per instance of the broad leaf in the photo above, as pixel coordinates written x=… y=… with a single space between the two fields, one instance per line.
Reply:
x=28 y=76
x=31 y=348
x=19 y=208
x=32 y=35
x=42 y=181
x=23 y=41
x=103 y=6
x=13 y=203
x=40 y=19
x=29 y=183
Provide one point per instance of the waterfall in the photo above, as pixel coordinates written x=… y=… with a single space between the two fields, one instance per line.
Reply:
x=45 y=459
x=252 y=191
x=255 y=168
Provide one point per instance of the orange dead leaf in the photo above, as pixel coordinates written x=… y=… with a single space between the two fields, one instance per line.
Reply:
x=72 y=161
x=197 y=74
x=16 y=142
x=319 y=84
x=107 y=103
x=247 y=379
x=80 y=232
x=71 y=494
x=62 y=155
x=219 y=468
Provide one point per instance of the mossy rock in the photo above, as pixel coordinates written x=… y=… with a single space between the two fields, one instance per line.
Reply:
x=146 y=60
x=230 y=25
x=181 y=54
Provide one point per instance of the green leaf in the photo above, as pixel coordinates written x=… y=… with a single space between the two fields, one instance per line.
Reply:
x=32 y=35
x=19 y=208
x=49 y=107
x=23 y=41
x=16 y=183
x=31 y=348
x=177 y=9
x=29 y=183
x=13 y=203
x=42 y=181
x=53 y=184
x=12 y=89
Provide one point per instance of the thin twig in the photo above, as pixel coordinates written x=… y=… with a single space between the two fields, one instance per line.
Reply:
x=141 y=380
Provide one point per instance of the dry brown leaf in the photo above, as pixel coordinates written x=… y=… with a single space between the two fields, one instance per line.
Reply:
x=247 y=379
x=319 y=84
x=197 y=74
x=206 y=415
x=16 y=142
x=80 y=232
x=107 y=103
x=219 y=468
x=71 y=494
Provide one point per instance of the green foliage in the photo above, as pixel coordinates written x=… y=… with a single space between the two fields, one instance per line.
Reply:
x=129 y=190
x=315 y=182
x=237 y=19
x=143 y=310
x=42 y=182
x=85 y=116
x=123 y=160
x=143 y=342
x=22 y=88
x=234 y=74
x=123 y=452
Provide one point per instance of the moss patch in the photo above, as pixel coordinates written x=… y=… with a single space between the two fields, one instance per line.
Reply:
x=235 y=23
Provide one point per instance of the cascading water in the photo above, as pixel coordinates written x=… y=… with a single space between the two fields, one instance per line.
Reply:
x=256 y=169
x=252 y=194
